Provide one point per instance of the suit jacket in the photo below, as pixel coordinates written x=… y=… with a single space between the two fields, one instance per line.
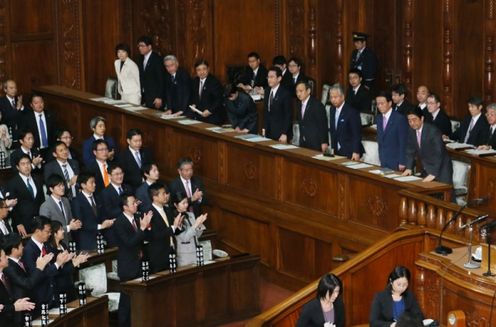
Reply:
x=129 y=81
x=130 y=243
x=312 y=316
x=491 y=138
x=432 y=153
x=85 y=237
x=442 y=122
x=17 y=153
x=479 y=133
x=10 y=115
x=142 y=195
x=178 y=91
x=132 y=172
x=211 y=99
x=111 y=201
x=259 y=80
x=404 y=107
x=44 y=290
x=392 y=140
x=7 y=316
x=348 y=131
x=366 y=63
x=28 y=122
x=242 y=112
x=151 y=79
x=279 y=119
x=299 y=78
x=51 y=209
x=63 y=281
x=381 y=312
x=26 y=207
x=361 y=100
x=287 y=81
x=187 y=240
x=88 y=155
x=8 y=226
x=313 y=125
x=94 y=168
x=22 y=284
x=159 y=247
x=53 y=168
x=176 y=185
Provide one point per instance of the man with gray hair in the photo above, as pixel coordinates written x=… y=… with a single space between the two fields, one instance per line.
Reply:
x=345 y=125
x=177 y=88
x=491 y=119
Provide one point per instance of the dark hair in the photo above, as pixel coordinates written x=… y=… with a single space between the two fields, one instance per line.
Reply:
x=200 y=62
x=305 y=82
x=476 y=101
x=54 y=180
x=279 y=60
x=59 y=132
x=408 y=319
x=145 y=169
x=398 y=272
x=11 y=241
x=277 y=70
x=96 y=143
x=3 y=204
x=56 y=226
x=184 y=160
x=155 y=188
x=132 y=132
x=385 y=94
x=328 y=283
x=84 y=176
x=145 y=39
x=35 y=95
x=253 y=54
x=414 y=111
x=124 y=47
x=124 y=198
x=23 y=132
x=39 y=222
x=112 y=167
x=399 y=88
x=179 y=196
x=56 y=144
x=23 y=156
x=297 y=61
x=356 y=71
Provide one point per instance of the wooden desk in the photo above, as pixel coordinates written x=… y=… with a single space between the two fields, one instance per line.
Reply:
x=443 y=284
x=227 y=290
x=261 y=200
x=93 y=313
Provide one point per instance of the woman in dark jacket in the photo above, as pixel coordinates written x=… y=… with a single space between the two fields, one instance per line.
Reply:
x=396 y=299
x=327 y=308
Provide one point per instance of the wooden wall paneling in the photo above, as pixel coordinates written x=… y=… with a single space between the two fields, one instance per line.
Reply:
x=5 y=55
x=328 y=19
x=296 y=254
x=408 y=37
x=31 y=19
x=448 y=21
x=489 y=51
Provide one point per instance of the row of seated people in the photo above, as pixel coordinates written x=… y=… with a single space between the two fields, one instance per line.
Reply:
x=395 y=306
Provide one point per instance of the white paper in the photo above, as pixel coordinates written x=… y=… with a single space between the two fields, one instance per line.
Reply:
x=258 y=139
x=101 y=99
x=476 y=152
x=283 y=146
x=188 y=122
x=246 y=136
x=392 y=176
x=360 y=166
x=407 y=178
x=256 y=97
x=456 y=145
x=172 y=116
x=326 y=158
x=218 y=129
x=350 y=163
x=195 y=110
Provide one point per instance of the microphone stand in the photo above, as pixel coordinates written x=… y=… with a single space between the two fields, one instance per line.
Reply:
x=441 y=249
x=469 y=264
x=488 y=273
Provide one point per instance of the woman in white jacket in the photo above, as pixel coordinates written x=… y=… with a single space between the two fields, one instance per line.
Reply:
x=192 y=229
x=128 y=78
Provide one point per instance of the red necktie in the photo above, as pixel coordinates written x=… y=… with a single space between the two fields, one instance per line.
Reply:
x=21 y=265
x=134 y=225
x=43 y=251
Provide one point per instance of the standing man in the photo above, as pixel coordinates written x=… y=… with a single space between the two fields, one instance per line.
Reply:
x=190 y=185
x=151 y=175
x=364 y=59
x=392 y=131
x=133 y=157
x=425 y=142
x=255 y=76
x=177 y=87
x=345 y=126
x=358 y=95
x=312 y=119
x=64 y=167
x=11 y=107
x=99 y=166
x=287 y=80
x=400 y=102
x=474 y=127
x=152 y=74
x=437 y=116
x=422 y=94
x=278 y=110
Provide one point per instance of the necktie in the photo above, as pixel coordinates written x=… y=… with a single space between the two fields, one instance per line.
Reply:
x=303 y=108
x=5 y=283
x=296 y=79
x=13 y=103
x=271 y=100
x=188 y=188
x=61 y=205
x=469 y=130
x=145 y=61
x=120 y=190
x=138 y=158
x=384 y=122
x=43 y=250
x=30 y=188
x=419 y=135
x=135 y=227
x=21 y=265
x=166 y=221
x=93 y=205
x=30 y=155
x=173 y=79
x=336 y=119
x=106 y=177
x=44 y=139
x=3 y=227
x=66 y=173
x=122 y=64
x=201 y=89
x=491 y=132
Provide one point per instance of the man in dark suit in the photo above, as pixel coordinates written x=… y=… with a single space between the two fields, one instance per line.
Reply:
x=152 y=74
x=278 y=110
x=255 y=76
x=88 y=209
x=177 y=87
x=206 y=96
x=358 y=95
x=241 y=111
x=345 y=125
x=64 y=167
x=29 y=193
x=26 y=140
x=474 y=128
x=190 y=185
x=21 y=284
x=11 y=107
x=41 y=123
x=422 y=93
x=5 y=227
x=312 y=119
x=294 y=67
x=392 y=132
x=437 y=116
x=400 y=102
x=287 y=80
x=99 y=166
x=130 y=234
x=490 y=142
x=151 y=175
x=133 y=157
x=364 y=59
x=425 y=143
x=34 y=248
x=163 y=227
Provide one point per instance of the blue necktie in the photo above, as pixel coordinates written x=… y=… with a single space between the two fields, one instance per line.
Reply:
x=44 y=140
x=30 y=188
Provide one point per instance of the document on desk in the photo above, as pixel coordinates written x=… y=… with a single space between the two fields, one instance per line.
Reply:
x=350 y=163
x=326 y=158
x=56 y=311
x=218 y=129
x=361 y=166
x=407 y=179
x=284 y=146
x=189 y=122
x=258 y=138
x=382 y=171
x=392 y=176
x=481 y=153
x=245 y=136
x=100 y=99
x=114 y=101
x=171 y=116
x=459 y=146
x=195 y=110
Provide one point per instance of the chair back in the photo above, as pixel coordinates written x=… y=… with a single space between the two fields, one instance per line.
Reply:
x=371 y=155
x=111 y=88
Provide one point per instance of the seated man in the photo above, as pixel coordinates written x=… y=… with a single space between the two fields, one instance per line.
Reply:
x=490 y=142
x=422 y=93
x=358 y=95
x=241 y=111
x=474 y=128
x=151 y=175
x=255 y=76
x=400 y=102
x=191 y=185
x=11 y=107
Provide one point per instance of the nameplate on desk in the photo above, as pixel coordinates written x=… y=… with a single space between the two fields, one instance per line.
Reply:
x=284 y=146
x=481 y=153
x=188 y=122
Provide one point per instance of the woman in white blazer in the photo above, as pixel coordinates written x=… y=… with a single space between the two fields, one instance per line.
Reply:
x=127 y=75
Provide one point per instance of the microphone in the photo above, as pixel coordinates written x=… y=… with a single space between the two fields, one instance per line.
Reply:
x=479 y=201
x=480 y=218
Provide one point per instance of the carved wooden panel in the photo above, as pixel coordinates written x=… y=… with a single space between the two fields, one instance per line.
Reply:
x=4 y=53
x=296 y=254
x=489 y=53
x=31 y=18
